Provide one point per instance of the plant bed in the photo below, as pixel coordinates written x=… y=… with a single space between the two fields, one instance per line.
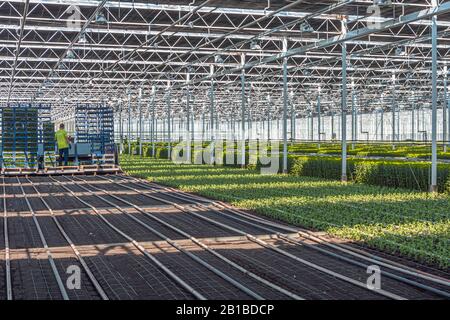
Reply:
x=412 y=224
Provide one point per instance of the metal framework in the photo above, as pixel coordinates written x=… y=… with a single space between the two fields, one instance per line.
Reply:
x=231 y=62
x=27 y=137
x=94 y=125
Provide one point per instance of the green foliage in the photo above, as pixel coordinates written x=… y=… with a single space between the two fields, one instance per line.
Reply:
x=421 y=151
x=162 y=153
x=328 y=168
x=397 y=174
x=147 y=150
x=391 y=173
x=410 y=175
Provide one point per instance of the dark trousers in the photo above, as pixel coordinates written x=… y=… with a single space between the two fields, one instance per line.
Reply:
x=63 y=154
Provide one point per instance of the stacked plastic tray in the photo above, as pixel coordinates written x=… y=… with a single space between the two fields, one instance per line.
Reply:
x=27 y=135
x=94 y=124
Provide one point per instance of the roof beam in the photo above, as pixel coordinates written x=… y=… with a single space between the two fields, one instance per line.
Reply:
x=18 y=47
x=351 y=35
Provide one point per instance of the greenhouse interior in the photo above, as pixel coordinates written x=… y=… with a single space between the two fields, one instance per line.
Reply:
x=225 y=150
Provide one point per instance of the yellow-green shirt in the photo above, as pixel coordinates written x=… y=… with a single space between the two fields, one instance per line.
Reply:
x=61 y=139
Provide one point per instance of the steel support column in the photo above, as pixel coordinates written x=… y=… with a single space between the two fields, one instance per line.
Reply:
x=249 y=118
x=292 y=123
x=319 y=122
x=285 y=107
x=413 y=121
x=129 y=122
x=120 y=126
x=188 y=119
x=353 y=115
x=447 y=103
x=243 y=110
x=169 y=126
x=203 y=126
x=344 y=104
x=444 y=112
x=140 y=120
x=211 y=114
x=153 y=120
x=332 y=126
x=433 y=186
x=394 y=107
x=269 y=107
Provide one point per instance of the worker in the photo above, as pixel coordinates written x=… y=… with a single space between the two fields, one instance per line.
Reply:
x=63 y=142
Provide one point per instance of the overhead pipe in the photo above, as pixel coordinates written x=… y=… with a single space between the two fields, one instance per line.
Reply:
x=409 y=18
x=406 y=17
x=77 y=37
x=268 y=6
x=312 y=15
x=247 y=25
x=148 y=42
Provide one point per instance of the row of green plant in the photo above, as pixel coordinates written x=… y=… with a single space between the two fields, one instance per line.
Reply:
x=391 y=173
x=397 y=174
x=409 y=223
x=404 y=150
x=376 y=150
